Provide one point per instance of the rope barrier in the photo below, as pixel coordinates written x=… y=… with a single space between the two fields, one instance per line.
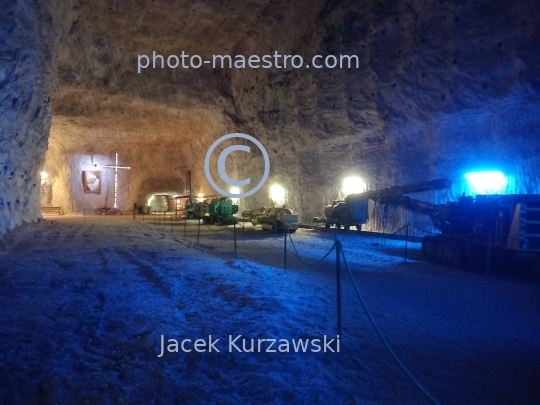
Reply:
x=423 y=230
x=307 y=261
x=396 y=358
x=340 y=252
x=216 y=230
x=399 y=230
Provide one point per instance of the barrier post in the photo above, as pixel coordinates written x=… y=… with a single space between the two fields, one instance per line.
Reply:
x=84 y=214
x=185 y=223
x=338 y=282
x=275 y=228
x=406 y=241
x=198 y=230
x=171 y=223
x=488 y=258
x=234 y=230
x=164 y=212
x=285 y=248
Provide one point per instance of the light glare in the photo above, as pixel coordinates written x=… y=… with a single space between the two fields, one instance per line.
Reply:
x=353 y=185
x=277 y=194
x=235 y=190
x=491 y=182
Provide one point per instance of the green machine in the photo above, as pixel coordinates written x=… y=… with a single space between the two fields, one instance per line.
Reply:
x=218 y=211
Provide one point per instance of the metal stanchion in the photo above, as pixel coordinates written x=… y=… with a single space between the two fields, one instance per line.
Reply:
x=143 y=217
x=338 y=281
x=198 y=230
x=488 y=258
x=164 y=212
x=275 y=228
x=234 y=230
x=185 y=223
x=285 y=247
x=171 y=223
x=84 y=214
x=406 y=241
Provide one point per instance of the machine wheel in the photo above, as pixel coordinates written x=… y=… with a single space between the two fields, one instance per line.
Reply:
x=327 y=225
x=359 y=227
x=346 y=227
x=444 y=250
x=429 y=248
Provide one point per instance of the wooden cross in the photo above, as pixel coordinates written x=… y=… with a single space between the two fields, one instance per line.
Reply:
x=116 y=167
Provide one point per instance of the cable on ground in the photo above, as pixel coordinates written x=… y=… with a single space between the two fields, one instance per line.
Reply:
x=398 y=361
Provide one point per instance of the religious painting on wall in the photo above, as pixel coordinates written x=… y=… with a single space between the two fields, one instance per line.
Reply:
x=92 y=182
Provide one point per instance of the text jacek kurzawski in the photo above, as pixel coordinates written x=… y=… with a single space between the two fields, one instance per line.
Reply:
x=241 y=344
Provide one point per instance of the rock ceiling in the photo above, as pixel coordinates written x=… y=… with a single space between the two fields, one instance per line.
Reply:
x=429 y=72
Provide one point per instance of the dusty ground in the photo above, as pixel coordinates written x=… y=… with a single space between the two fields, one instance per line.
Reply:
x=83 y=305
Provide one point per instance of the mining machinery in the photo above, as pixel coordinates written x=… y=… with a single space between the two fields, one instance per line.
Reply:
x=218 y=211
x=273 y=219
x=507 y=227
x=353 y=211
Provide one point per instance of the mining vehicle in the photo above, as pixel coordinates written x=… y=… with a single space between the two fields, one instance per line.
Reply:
x=218 y=211
x=346 y=214
x=353 y=211
x=507 y=227
x=272 y=219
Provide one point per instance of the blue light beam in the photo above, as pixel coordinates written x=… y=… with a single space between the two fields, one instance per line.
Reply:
x=490 y=182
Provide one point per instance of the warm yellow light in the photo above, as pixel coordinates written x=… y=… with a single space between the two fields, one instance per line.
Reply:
x=235 y=190
x=150 y=200
x=353 y=185
x=200 y=195
x=44 y=175
x=277 y=194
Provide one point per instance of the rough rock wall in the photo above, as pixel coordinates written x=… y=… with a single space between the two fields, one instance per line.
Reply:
x=160 y=122
x=157 y=142
x=25 y=112
x=442 y=86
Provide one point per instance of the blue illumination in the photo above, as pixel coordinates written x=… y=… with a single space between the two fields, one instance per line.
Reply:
x=491 y=182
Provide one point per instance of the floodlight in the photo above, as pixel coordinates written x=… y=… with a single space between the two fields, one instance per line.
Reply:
x=353 y=185
x=488 y=182
x=277 y=194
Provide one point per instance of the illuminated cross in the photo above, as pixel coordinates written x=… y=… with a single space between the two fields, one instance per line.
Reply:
x=116 y=167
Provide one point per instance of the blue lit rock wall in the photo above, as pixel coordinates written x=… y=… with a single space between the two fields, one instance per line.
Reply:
x=25 y=86
x=442 y=86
